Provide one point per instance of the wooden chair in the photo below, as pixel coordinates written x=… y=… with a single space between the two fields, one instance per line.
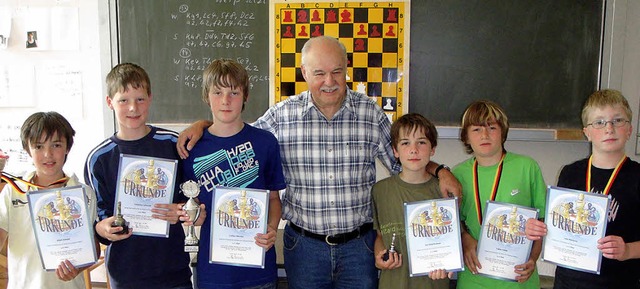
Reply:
x=3 y=268
x=3 y=261
x=87 y=272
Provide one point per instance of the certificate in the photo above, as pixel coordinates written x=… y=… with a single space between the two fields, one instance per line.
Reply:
x=503 y=244
x=433 y=236
x=142 y=183
x=63 y=227
x=575 y=221
x=237 y=215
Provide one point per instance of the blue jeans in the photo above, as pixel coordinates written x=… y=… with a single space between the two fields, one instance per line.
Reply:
x=311 y=263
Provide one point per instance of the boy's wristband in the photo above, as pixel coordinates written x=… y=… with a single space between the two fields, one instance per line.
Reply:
x=440 y=167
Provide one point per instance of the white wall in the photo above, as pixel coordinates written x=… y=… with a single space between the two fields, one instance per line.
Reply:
x=86 y=115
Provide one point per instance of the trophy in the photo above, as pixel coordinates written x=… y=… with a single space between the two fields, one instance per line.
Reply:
x=392 y=248
x=191 y=190
x=120 y=221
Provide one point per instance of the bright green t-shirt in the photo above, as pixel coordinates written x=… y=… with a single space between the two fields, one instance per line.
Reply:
x=521 y=184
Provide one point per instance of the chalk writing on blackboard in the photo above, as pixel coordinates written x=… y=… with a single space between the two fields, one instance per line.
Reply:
x=176 y=40
x=214 y=30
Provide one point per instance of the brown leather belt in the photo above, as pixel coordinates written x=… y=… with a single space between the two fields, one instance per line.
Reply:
x=337 y=238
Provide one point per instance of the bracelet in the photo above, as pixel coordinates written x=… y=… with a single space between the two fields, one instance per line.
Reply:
x=440 y=167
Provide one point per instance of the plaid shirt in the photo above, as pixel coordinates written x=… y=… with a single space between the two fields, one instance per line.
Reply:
x=329 y=165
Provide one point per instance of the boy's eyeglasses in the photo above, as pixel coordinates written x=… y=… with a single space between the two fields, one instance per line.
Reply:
x=601 y=123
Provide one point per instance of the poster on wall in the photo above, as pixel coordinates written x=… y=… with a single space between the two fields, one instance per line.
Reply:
x=40 y=29
x=375 y=35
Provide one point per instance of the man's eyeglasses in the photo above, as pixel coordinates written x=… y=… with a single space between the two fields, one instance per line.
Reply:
x=601 y=123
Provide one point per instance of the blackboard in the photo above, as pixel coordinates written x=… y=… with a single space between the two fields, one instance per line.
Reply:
x=539 y=59
x=175 y=41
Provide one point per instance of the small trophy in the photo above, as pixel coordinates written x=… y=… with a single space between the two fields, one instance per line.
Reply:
x=392 y=248
x=191 y=190
x=120 y=222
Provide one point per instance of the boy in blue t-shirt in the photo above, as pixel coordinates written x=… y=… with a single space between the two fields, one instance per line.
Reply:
x=136 y=261
x=225 y=88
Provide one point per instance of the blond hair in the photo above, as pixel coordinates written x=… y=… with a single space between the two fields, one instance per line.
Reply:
x=481 y=113
x=602 y=98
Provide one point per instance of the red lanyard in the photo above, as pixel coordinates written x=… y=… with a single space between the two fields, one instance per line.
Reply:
x=11 y=180
x=476 y=185
x=611 y=178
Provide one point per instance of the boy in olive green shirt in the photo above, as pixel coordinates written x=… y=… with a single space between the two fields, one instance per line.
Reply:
x=414 y=139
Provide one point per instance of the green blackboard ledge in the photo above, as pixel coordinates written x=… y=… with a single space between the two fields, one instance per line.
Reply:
x=523 y=134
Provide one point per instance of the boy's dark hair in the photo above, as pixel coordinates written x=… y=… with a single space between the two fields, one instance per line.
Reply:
x=225 y=73
x=410 y=123
x=602 y=98
x=46 y=124
x=125 y=74
x=481 y=113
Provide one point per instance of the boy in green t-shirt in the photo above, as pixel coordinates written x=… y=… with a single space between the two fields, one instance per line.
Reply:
x=494 y=174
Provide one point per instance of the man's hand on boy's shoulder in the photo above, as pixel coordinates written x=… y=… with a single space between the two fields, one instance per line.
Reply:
x=449 y=185
x=190 y=136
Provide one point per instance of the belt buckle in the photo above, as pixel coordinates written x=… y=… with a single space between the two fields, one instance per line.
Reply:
x=326 y=239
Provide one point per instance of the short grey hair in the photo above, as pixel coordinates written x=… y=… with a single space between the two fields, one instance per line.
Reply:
x=310 y=42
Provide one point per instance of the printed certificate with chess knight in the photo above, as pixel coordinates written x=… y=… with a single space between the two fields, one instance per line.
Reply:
x=237 y=215
x=62 y=226
x=575 y=221
x=503 y=243
x=432 y=229
x=142 y=183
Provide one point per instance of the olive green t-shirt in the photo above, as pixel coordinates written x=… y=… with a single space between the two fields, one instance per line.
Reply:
x=389 y=196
